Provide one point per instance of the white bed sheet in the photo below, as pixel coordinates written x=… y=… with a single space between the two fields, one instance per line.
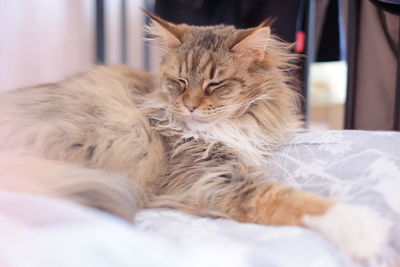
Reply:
x=350 y=166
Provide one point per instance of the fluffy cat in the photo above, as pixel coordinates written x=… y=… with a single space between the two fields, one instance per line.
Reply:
x=195 y=138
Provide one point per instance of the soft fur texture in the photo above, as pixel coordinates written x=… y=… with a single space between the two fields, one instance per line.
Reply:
x=194 y=138
x=347 y=225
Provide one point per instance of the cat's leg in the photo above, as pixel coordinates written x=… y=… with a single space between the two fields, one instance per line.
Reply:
x=357 y=230
x=213 y=179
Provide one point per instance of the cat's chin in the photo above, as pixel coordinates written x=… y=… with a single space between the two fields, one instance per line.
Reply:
x=198 y=126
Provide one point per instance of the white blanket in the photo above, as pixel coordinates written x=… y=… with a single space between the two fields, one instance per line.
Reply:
x=360 y=167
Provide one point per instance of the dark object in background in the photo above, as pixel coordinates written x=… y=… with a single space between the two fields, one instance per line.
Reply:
x=241 y=13
x=331 y=36
x=392 y=6
x=100 y=32
x=289 y=17
x=373 y=93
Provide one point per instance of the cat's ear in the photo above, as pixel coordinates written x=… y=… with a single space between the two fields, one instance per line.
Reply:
x=253 y=40
x=164 y=32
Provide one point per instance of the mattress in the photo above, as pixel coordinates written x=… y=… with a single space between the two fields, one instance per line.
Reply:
x=348 y=166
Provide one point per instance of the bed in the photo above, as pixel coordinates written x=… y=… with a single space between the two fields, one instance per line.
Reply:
x=349 y=166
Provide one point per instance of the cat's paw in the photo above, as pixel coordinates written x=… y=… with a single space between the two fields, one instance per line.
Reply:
x=358 y=231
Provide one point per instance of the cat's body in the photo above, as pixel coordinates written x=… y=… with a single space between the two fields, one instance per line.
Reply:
x=90 y=119
x=115 y=139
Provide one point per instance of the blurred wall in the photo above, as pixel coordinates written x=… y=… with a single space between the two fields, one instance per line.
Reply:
x=43 y=41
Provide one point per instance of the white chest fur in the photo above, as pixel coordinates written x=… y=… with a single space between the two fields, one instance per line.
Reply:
x=239 y=135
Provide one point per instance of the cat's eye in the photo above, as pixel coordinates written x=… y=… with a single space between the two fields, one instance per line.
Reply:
x=213 y=84
x=176 y=86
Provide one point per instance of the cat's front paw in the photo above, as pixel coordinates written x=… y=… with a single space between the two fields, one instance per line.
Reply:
x=358 y=231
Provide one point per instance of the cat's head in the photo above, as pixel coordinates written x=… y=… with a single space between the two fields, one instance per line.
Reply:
x=215 y=73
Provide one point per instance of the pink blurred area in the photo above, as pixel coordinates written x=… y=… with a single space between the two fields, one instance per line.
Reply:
x=44 y=40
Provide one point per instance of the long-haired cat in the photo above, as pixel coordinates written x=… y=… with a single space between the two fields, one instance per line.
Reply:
x=195 y=138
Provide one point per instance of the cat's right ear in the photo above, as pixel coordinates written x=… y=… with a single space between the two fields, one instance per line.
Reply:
x=164 y=32
x=253 y=41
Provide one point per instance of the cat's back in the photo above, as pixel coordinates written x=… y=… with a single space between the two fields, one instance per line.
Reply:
x=90 y=93
x=83 y=110
x=117 y=82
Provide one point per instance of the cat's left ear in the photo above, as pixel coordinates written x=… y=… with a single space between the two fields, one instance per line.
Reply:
x=253 y=40
x=166 y=33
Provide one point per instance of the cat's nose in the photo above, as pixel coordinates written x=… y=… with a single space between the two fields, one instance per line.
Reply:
x=191 y=107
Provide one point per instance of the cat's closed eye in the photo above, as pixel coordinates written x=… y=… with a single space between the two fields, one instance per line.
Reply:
x=175 y=86
x=212 y=86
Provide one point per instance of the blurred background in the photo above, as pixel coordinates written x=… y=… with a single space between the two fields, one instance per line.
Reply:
x=349 y=75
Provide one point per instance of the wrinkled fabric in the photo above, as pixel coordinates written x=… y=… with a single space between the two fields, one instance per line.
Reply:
x=348 y=166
